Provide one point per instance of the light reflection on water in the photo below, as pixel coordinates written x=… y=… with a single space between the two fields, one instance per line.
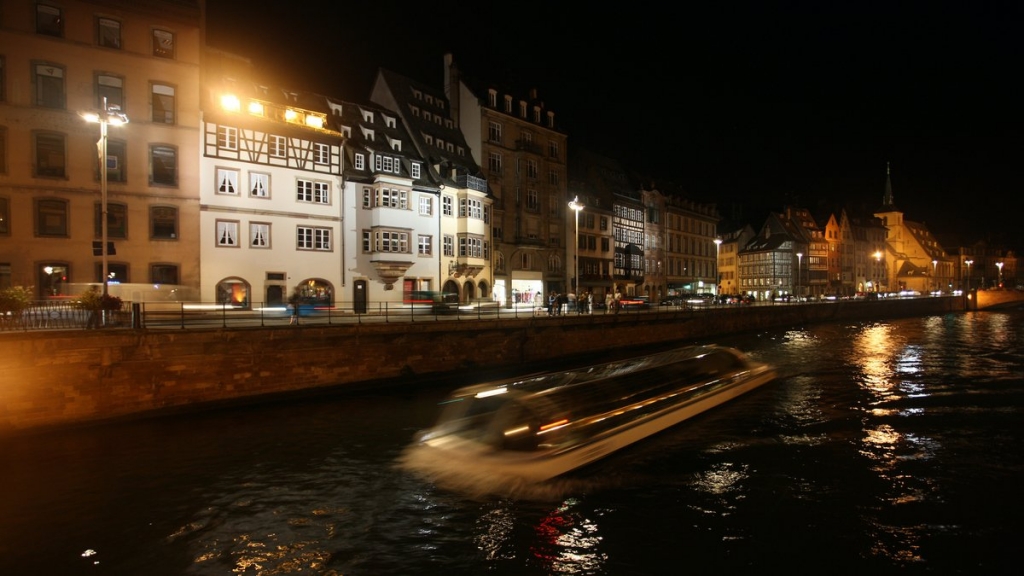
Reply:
x=885 y=447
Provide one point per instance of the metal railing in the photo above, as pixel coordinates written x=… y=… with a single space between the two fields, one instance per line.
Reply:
x=61 y=315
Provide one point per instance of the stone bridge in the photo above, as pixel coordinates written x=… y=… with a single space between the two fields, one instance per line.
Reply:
x=989 y=299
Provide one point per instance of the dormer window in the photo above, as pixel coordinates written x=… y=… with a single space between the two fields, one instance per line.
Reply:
x=430 y=99
x=449 y=124
x=367 y=116
x=390 y=122
x=508 y=104
x=428 y=139
x=417 y=94
x=551 y=119
x=492 y=98
x=536 y=114
x=415 y=169
x=367 y=134
x=395 y=144
x=522 y=109
x=415 y=111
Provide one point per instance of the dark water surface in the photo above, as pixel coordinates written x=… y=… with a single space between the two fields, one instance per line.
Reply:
x=885 y=447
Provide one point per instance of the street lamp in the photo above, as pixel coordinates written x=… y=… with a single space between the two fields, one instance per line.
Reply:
x=110 y=114
x=878 y=263
x=968 y=262
x=935 y=283
x=1000 y=266
x=799 y=267
x=718 y=277
x=577 y=207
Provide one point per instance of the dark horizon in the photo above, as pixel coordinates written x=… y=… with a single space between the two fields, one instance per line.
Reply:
x=751 y=105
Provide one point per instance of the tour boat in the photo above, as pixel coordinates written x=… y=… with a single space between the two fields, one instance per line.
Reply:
x=537 y=427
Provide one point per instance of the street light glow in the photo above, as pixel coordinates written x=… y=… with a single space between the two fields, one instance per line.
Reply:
x=110 y=114
x=576 y=207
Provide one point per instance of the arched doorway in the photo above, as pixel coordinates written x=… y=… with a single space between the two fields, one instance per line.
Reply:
x=316 y=292
x=233 y=291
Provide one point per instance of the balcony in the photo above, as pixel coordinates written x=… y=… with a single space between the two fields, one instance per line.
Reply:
x=471 y=182
x=528 y=146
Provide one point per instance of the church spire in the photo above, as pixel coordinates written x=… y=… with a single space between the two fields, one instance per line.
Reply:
x=887 y=198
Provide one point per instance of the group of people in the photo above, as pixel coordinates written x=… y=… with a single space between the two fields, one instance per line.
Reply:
x=559 y=303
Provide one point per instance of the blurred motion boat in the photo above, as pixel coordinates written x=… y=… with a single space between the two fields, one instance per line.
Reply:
x=537 y=427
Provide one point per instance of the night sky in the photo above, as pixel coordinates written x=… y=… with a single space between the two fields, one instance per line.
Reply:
x=747 y=105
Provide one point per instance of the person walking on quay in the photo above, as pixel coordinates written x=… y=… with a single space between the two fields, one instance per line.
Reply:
x=552 y=301
x=571 y=302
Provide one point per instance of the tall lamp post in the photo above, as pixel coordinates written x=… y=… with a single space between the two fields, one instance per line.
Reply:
x=718 y=277
x=968 y=262
x=799 y=268
x=935 y=282
x=1000 y=266
x=111 y=115
x=576 y=207
x=878 y=263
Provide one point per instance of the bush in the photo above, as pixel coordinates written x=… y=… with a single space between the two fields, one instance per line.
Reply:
x=93 y=300
x=15 y=299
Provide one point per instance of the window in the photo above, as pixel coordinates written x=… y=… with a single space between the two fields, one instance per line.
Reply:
x=163 y=223
x=321 y=153
x=259 y=185
x=508 y=104
x=110 y=88
x=449 y=245
x=163 y=44
x=310 y=191
x=163 y=104
x=227 y=233
x=108 y=33
x=51 y=217
x=227 y=137
x=227 y=181
x=471 y=208
x=386 y=241
x=471 y=247
x=447 y=206
x=553 y=177
x=494 y=162
x=5 y=216
x=415 y=169
x=360 y=162
x=49 y=86
x=50 y=154
x=553 y=148
x=310 y=238
x=531 y=168
x=492 y=98
x=497 y=232
x=278 y=148
x=117 y=220
x=391 y=198
x=117 y=170
x=116 y=272
x=49 y=20
x=387 y=164
x=259 y=235
x=424 y=245
x=163 y=274
x=163 y=165
x=426 y=206
x=494 y=132
x=532 y=201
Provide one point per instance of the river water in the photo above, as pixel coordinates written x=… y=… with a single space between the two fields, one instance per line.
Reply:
x=884 y=447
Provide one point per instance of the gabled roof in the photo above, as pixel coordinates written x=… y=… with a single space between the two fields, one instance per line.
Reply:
x=375 y=130
x=427 y=113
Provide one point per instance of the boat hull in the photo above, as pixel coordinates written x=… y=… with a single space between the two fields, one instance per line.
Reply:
x=450 y=453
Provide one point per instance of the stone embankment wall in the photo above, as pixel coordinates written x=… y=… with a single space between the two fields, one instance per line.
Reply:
x=63 y=378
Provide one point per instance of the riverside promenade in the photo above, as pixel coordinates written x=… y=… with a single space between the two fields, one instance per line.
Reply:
x=66 y=378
